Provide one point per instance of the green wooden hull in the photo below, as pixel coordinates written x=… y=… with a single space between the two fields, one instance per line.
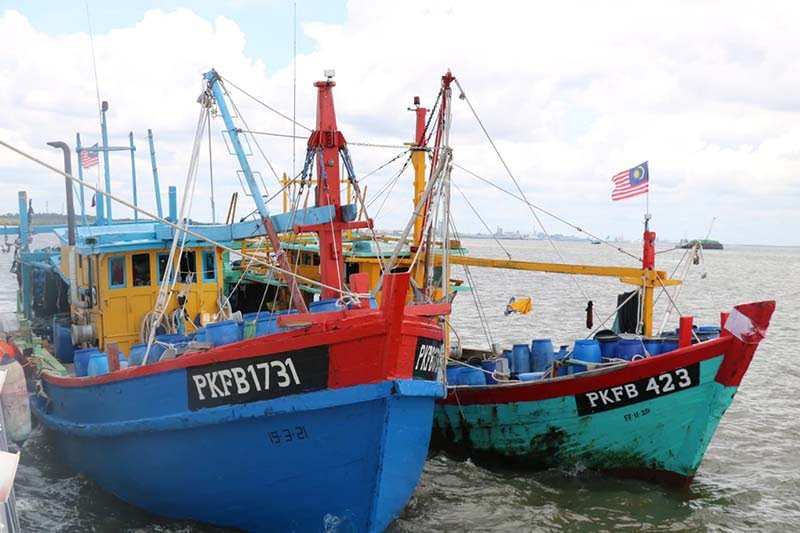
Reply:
x=652 y=418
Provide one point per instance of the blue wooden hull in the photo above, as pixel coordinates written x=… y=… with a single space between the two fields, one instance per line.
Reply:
x=332 y=460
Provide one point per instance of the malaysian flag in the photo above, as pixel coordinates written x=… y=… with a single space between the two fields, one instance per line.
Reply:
x=631 y=182
x=89 y=157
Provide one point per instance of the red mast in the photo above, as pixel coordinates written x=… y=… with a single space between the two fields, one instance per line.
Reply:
x=326 y=142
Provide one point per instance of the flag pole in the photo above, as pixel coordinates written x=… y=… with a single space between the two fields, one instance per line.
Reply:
x=647 y=215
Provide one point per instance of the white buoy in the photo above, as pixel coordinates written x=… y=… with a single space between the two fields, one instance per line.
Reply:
x=14 y=399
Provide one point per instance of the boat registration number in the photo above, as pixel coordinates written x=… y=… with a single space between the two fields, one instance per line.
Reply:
x=642 y=390
x=257 y=378
x=427 y=358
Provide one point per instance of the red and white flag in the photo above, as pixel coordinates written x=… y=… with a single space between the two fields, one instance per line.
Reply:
x=631 y=182
x=89 y=157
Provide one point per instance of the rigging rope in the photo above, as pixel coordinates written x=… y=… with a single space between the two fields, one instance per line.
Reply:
x=475 y=296
x=164 y=221
x=349 y=143
x=172 y=268
x=282 y=115
x=486 y=226
x=548 y=213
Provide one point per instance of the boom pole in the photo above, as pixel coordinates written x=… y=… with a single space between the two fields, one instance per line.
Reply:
x=216 y=93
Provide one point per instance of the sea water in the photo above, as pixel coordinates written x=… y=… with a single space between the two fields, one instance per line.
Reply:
x=748 y=481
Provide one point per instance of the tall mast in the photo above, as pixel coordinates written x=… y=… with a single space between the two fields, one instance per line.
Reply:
x=441 y=145
x=325 y=142
x=418 y=150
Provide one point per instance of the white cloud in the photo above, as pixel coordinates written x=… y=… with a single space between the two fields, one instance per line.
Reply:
x=571 y=92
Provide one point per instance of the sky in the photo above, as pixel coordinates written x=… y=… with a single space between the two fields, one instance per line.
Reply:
x=571 y=93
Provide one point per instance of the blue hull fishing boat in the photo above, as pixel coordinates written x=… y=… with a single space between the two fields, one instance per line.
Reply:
x=331 y=460
x=318 y=422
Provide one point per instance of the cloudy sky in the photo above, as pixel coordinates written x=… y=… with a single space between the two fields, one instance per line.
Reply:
x=571 y=92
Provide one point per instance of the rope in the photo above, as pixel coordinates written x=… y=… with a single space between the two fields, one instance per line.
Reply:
x=164 y=221
x=675 y=305
x=290 y=119
x=486 y=226
x=392 y=160
x=260 y=150
x=548 y=213
x=94 y=62
x=475 y=296
x=172 y=268
x=349 y=143
x=522 y=193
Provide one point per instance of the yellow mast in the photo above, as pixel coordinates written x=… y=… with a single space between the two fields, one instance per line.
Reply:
x=418 y=153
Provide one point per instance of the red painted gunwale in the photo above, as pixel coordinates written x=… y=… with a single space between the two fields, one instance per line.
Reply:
x=585 y=382
x=337 y=328
x=738 y=354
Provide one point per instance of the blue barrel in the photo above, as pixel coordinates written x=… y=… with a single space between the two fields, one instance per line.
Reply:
x=201 y=335
x=586 y=350
x=489 y=366
x=82 y=360
x=176 y=340
x=98 y=364
x=507 y=356
x=628 y=348
x=705 y=333
x=669 y=343
x=471 y=376
x=530 y=376
x=653 y=345
x=268 y=322
x=520 y=359
x=137 y=354
x=62 y=341
x=221 y=333
x=608 y=343
x=452 y=374
x=560 y=354
x=324 y=306
x=541 y=354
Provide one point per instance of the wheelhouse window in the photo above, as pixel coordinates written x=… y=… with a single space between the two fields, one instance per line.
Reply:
x=141 y=270
x=186 y=270
x=116 y=272
x=161 y=260
x=209 y=266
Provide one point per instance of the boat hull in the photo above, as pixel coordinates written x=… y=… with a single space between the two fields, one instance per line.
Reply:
x=342 y=460
x=651 y=419
x=321 y=428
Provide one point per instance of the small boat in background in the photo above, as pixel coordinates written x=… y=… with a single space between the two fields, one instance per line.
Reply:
x=706 y=244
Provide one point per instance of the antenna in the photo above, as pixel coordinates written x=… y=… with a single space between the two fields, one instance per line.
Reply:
x=294 y=106
x=94 y=62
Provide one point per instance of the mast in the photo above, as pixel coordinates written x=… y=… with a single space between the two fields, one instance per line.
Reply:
x=326 y=142
x=648 y=281
x=216 y=92
x=418 y=153
x=418 y=150
x=440 y=146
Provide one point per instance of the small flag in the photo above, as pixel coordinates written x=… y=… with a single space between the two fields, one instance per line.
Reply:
x=630 y=183
x=89 y=157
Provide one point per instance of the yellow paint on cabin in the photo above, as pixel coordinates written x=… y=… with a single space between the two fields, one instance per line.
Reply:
x=119 y=309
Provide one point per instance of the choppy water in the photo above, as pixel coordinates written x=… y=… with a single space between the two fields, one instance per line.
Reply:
x=749 y=480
